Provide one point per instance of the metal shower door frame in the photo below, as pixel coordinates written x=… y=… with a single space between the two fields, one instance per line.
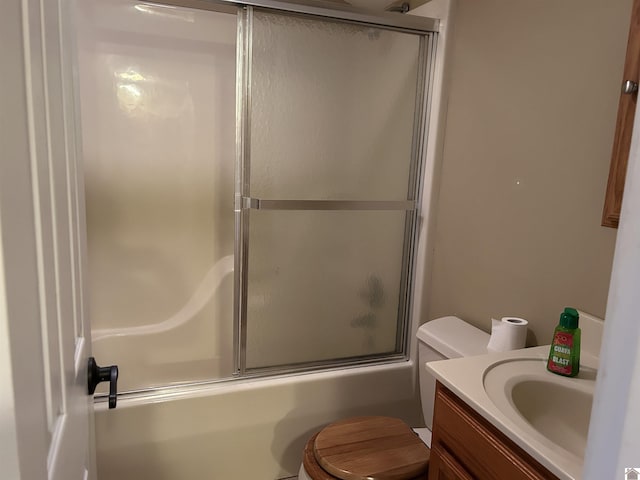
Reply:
x=244 y=203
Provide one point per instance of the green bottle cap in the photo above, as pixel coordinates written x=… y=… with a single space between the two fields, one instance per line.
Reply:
x=569 y=318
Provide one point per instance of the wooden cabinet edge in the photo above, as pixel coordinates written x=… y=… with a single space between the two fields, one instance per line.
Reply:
x=624 y=126
x=619 y=159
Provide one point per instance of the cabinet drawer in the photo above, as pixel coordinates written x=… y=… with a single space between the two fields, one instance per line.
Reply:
x=483 y=451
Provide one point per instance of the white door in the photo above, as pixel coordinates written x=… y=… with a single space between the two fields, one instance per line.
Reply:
x=45 y=407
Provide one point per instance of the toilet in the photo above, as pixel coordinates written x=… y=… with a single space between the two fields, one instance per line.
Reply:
x=365 y=448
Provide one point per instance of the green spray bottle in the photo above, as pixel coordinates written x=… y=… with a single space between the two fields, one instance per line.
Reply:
x=564 y=356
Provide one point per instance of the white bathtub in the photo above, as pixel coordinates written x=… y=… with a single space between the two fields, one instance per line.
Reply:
x=243 y=430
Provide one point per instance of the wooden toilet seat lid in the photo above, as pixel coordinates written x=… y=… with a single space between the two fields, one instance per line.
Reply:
x=371 y=448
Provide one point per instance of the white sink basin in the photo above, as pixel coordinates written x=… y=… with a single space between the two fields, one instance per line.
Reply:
x=546 y=405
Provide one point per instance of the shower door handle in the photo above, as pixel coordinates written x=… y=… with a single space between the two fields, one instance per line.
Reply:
x=96 y=374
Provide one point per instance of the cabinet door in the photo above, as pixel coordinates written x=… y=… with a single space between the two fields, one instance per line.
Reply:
x=485 y=452
x=443 y=466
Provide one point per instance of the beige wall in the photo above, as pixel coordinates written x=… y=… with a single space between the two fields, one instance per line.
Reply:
x=531 y=114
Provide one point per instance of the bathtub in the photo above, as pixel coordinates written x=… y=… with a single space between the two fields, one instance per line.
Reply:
x=245 y=429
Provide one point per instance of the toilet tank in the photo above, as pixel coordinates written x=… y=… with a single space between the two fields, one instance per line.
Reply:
x=439 y=339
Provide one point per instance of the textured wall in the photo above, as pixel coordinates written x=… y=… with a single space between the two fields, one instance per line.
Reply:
x=531 y=116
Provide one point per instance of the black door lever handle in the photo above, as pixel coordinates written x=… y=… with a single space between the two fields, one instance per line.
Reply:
x=96 y=374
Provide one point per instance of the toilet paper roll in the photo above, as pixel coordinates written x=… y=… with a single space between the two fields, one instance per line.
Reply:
x=509 y=333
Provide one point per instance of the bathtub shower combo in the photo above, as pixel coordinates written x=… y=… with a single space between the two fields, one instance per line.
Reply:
x=253 y=176
x=252 y=180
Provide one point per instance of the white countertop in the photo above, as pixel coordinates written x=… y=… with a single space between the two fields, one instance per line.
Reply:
x=466 y=378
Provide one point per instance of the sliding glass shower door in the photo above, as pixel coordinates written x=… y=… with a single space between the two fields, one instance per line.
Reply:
x=158 y=120
x=252 y=179
x=329 y=189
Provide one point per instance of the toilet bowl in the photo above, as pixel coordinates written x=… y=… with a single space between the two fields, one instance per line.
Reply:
x=365 y=448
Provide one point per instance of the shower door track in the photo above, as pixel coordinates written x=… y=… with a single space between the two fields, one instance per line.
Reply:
x=388 y=20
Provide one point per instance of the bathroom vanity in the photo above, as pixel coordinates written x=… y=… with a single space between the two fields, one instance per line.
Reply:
x=504 y=416
x=466 y=446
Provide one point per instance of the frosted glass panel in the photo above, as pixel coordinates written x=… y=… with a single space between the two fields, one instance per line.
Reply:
x=158 y=113
x=322 y=285
x=332 y=109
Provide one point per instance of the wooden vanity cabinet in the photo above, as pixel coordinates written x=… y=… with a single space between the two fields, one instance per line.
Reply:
x=465 y=446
